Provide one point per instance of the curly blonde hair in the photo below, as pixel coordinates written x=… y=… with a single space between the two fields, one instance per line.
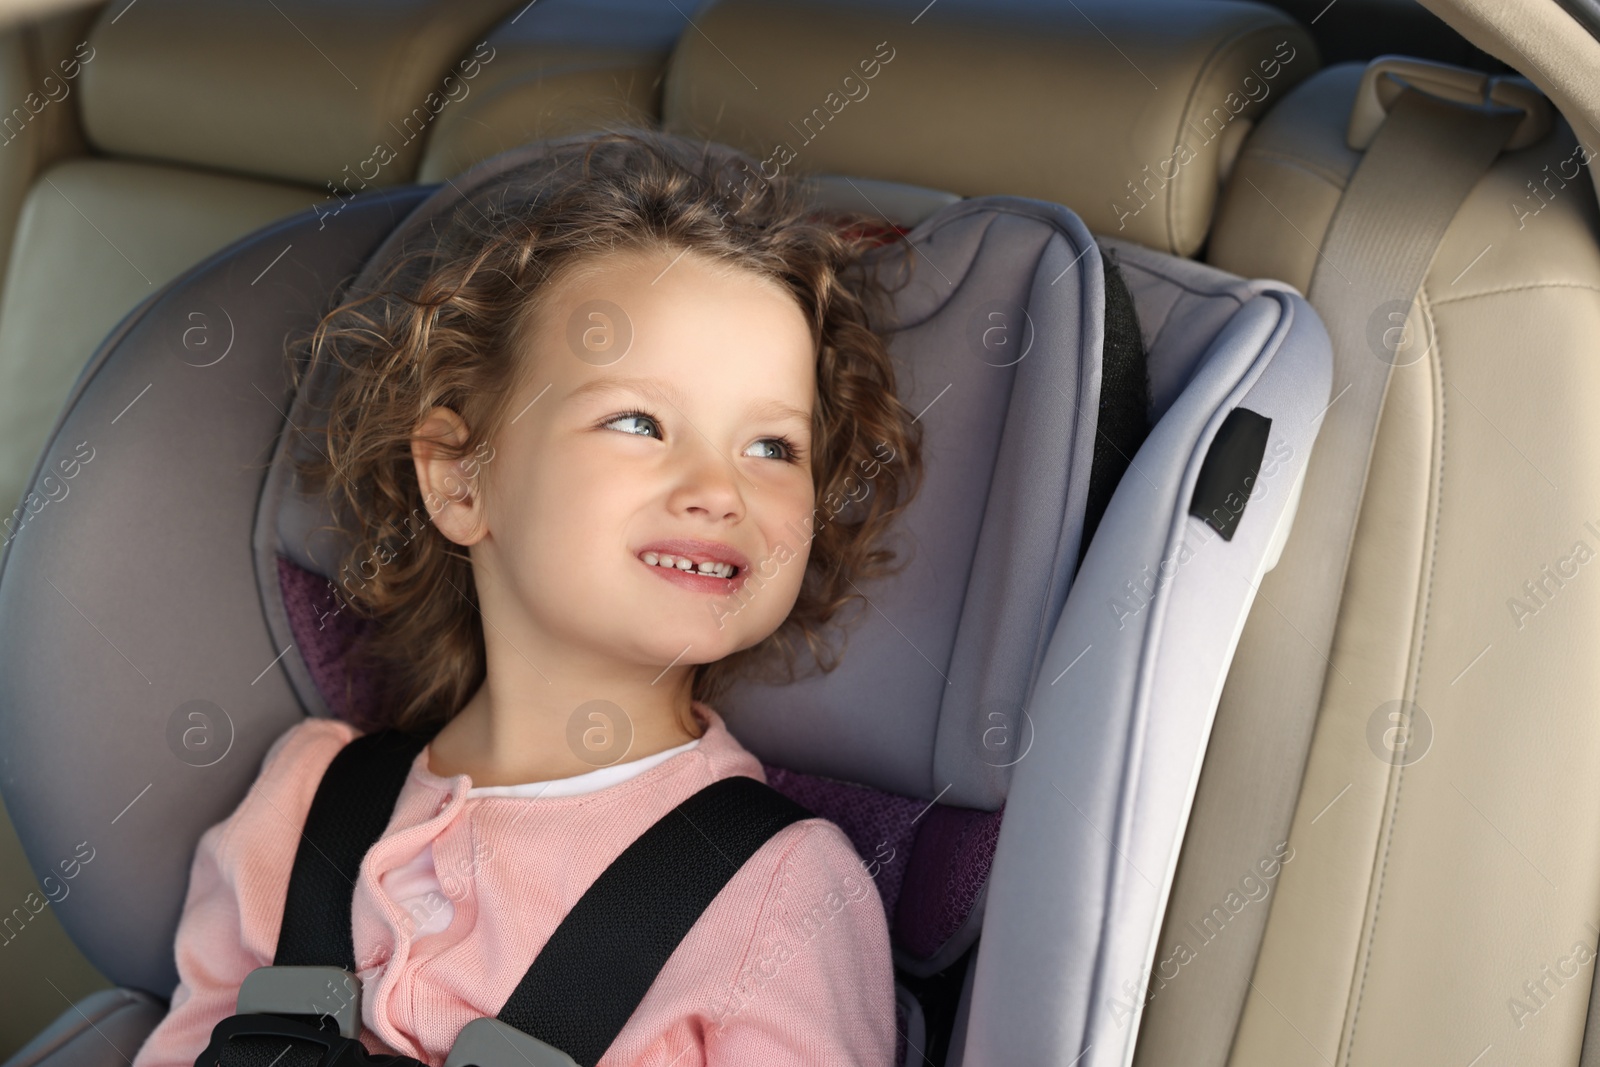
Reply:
x=443 y=326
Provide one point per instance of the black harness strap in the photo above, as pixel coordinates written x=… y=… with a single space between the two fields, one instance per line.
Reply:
x=349 y=813
x=1124 y=416
x=603 y=957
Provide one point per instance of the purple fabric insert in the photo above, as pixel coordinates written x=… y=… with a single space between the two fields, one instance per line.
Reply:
x=323 y=633
x=902 y=1018
x=930 y=862
x=949 y=866
x=933 y=861
x=879 y=824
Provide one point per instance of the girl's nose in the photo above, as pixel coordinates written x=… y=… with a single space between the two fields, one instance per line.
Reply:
x=709 y=484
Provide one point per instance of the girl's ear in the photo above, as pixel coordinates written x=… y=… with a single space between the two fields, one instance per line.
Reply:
x=452 y=496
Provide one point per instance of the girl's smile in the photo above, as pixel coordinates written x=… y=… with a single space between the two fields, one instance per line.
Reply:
x=701 y=566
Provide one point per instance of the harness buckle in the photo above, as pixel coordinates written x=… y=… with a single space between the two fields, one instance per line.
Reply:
x=245 y=1039
x=269 y=996
x=331 y=992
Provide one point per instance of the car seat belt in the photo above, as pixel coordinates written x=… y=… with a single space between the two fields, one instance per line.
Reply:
x=348 y=814
x=1422 y=163
x=579 y=991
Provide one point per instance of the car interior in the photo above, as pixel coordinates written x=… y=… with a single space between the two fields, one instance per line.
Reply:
x=1325 y=805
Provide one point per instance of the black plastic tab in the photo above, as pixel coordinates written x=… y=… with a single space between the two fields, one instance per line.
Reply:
x=1229 y=471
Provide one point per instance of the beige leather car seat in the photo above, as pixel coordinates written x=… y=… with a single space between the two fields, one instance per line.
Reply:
x=1012 y=123
x=1438 y=908
x=39 y=67
x=563 y=67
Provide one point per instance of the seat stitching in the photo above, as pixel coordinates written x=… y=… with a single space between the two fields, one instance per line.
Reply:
x=1416 y=671
x=1125 y=265
x=1173 y=206
x=1518 y=289
x=1284 y=159
x=1208 y=69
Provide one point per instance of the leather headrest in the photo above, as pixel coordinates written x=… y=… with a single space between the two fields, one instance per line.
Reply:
x=1131 y=114
x=315 y=91
x=561 y=67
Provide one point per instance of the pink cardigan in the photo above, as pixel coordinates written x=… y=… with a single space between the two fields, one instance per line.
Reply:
x=789 y=965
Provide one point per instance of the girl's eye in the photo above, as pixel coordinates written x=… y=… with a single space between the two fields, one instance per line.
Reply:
x=782 y=448
x=636 y=418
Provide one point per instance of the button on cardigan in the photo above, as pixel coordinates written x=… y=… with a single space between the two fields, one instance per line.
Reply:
x=414 y=885
x=789 y=965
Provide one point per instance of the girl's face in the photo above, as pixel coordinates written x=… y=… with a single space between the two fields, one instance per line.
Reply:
x=666 y=416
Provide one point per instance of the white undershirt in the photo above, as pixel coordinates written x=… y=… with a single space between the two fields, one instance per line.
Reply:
x=414 y=886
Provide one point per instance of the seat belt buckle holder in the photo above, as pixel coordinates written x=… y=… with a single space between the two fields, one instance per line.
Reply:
x=335 y=993
x=321 y=991
x=1386 y=77
x=331 y=1049
x=488 y=1042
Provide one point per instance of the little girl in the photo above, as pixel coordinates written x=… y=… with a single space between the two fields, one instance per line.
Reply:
x=574 y=437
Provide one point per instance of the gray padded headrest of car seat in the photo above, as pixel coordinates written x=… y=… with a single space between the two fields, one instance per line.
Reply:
x=993 y=535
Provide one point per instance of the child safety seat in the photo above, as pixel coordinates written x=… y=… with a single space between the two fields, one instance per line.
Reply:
x=166 y=621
